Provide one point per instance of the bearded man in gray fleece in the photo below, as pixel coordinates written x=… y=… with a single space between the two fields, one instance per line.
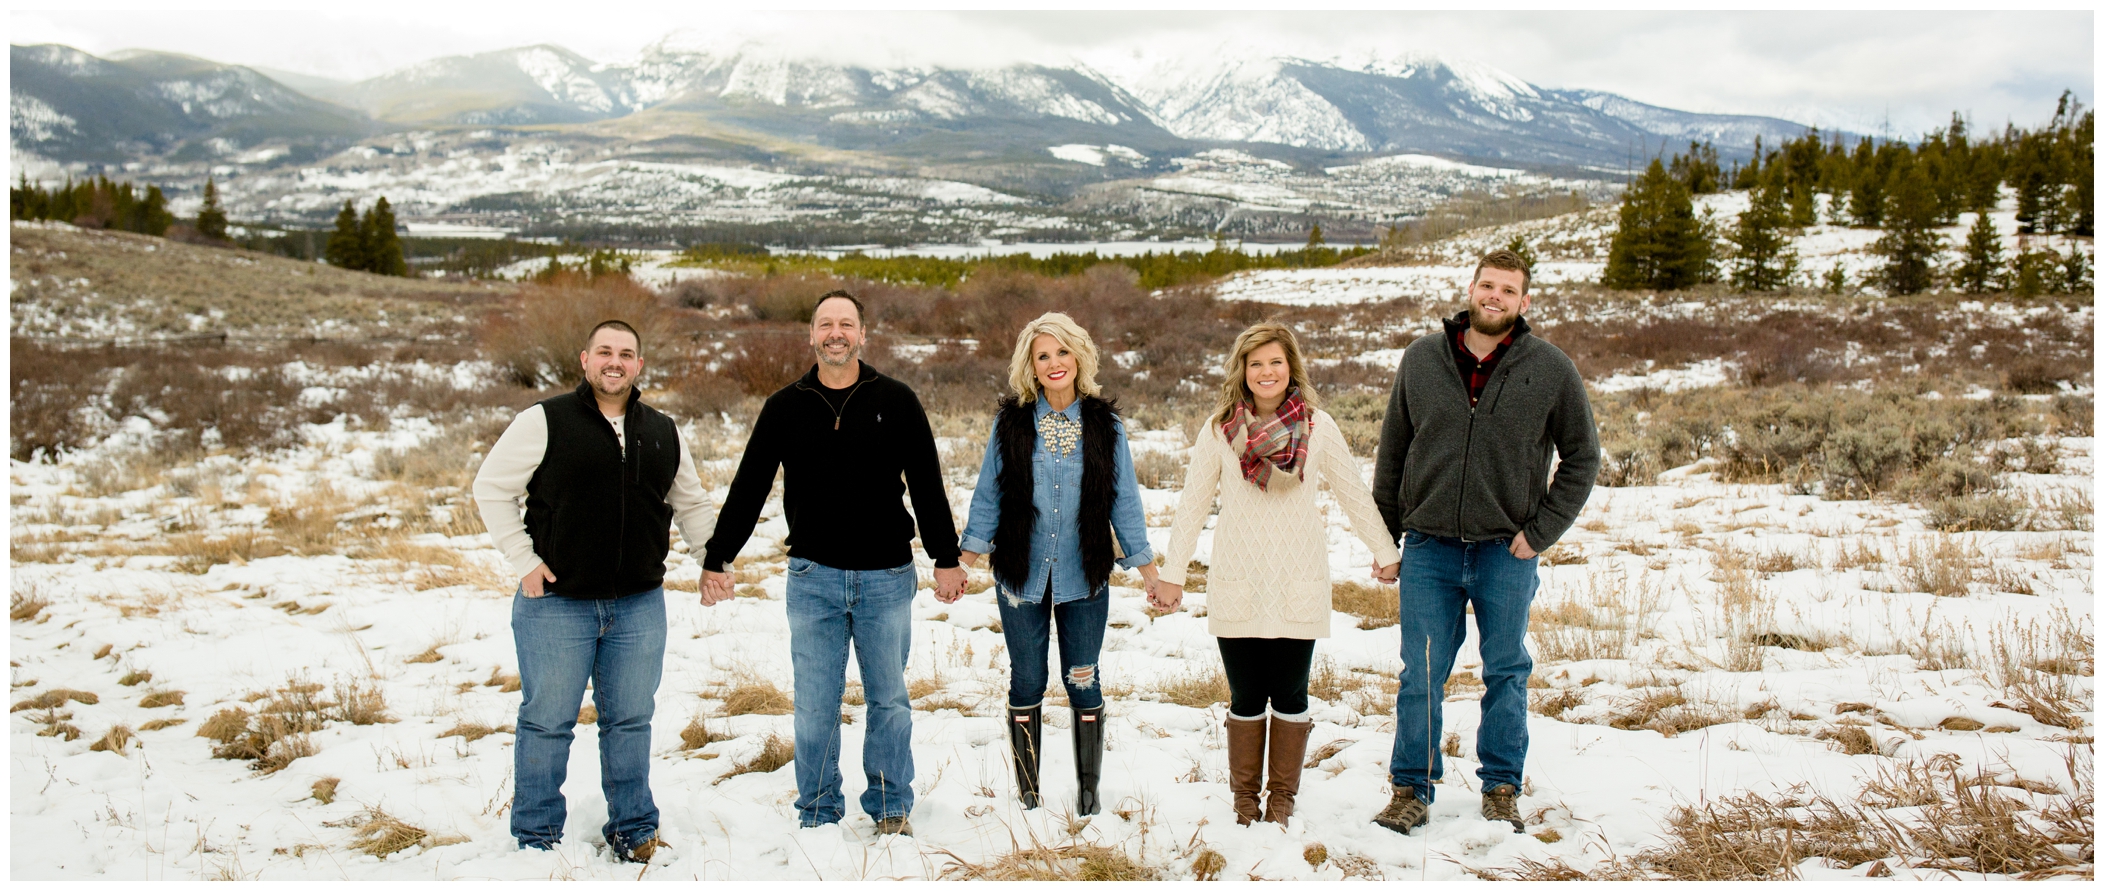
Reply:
x=1478 y=413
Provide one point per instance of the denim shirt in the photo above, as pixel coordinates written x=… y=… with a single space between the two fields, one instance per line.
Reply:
x=1055 y=490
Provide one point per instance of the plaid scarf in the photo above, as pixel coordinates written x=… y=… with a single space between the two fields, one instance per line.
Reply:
x=1279 y=441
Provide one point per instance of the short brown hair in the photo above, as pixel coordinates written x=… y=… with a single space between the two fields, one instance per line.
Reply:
x=860 y=316
x=617 y=325
x=1506 y=259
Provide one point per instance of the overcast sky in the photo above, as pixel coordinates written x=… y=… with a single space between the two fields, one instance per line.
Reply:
x=1861 y=71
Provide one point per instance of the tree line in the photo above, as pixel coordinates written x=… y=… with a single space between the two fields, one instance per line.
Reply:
x=95 y=203
x=1906 y=190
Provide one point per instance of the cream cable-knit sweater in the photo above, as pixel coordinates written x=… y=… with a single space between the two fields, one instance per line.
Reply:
x=1270 y=575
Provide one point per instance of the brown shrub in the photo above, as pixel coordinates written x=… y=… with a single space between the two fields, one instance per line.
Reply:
x=536 y=342
x=361 y=704
x=378 y=833
x=697 y=735
x=1069 y=863
x=224 y=726
x=768 y=360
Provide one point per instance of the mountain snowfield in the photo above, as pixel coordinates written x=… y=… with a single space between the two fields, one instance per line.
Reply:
x=1883 y=643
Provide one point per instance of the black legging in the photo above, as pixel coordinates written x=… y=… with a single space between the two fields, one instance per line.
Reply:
x=1266 y=670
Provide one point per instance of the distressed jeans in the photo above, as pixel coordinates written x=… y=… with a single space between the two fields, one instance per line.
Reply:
x=1027 y=627
x=618 y=645
x=1441 y=579
x=872 y=610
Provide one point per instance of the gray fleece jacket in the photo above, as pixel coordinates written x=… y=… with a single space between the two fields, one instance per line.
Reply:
x=1447 y=469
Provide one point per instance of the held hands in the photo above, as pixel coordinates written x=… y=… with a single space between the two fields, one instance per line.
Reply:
x=716 y=587
x=1163 y=596
x=949 y=583
x=534 y=581
x=1387 y=575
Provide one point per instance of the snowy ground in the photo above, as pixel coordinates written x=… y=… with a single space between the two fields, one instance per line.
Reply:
x=1654 y=584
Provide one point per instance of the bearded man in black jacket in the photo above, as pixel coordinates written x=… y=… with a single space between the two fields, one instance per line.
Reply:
x=844 y=436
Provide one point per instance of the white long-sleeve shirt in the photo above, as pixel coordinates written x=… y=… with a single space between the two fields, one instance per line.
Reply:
x=500 y=487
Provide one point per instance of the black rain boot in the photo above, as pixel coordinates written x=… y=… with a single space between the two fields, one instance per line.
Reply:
x=1088 y=756
x=1026 y=736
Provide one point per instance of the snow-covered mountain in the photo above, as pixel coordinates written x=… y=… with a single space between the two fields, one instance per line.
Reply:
x=69 y=105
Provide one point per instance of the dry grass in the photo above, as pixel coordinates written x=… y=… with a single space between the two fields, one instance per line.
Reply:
x=697 y=735
x=503 y=681
x=163 y=723
x=55 y=697
x=1201 y=686
x=1946 y=568
x=225 y=725
x=470 y=731
x=754 y=695
x=1207 y=863
x=324 y=789
x=1604 y=620
x=162 y=699
x=25 y=607
x=134 y=678
x=1746 y=610
x=1065 y=863
x=56 y=724
x=278 y=734
x=362 y=704
x=775 y=753
x=588 y=714
x=1377 y=606
x=1664 y=709
x=379 y=833
x=116 y=739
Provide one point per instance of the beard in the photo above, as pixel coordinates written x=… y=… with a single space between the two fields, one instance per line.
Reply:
x=602 y=385
x=1488 y=328
x=854 y=352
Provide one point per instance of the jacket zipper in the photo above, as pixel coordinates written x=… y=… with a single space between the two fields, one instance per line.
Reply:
x=842 y=411
x=621 y=527
x=1468 y=440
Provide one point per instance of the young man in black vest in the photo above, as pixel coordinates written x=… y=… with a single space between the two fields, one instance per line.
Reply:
x=843 y=436
x=604 y=477
x=1479 y=410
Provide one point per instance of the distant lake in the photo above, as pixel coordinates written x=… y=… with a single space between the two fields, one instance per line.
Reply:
x=1042 y=249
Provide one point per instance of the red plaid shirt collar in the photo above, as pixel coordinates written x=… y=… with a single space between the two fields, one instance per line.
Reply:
x=1476 y=372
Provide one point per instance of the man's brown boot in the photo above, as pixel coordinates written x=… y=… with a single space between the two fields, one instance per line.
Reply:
x=1501 y=805
x=1289 y=744
x=1245 y=765
x=1404 y=811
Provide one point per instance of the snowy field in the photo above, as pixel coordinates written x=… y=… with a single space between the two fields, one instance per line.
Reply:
x=1695 y=640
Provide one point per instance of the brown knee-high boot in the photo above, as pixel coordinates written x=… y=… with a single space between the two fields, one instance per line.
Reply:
x=1289 y=744
x=1245 y=764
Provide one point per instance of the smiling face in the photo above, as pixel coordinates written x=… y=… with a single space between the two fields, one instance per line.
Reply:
x=612 y=361
x=1496 y=299
x=1054 y=365
x=836 y=332
x=1267 y=373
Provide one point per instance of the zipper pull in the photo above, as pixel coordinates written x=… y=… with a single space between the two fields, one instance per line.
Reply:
x=836 y=422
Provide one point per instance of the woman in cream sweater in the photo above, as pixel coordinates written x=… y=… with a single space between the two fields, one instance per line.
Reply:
x=1262 y=452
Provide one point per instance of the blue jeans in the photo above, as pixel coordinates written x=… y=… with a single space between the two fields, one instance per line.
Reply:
x=1028 y=629
x=619 y=645
x=1441 y=577
x=872 y=609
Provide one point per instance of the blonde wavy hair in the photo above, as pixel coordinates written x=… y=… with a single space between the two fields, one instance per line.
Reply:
x=1022 y=373
x=1234 y=387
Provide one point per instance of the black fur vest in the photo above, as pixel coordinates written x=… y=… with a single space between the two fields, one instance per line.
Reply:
x=1016 y=427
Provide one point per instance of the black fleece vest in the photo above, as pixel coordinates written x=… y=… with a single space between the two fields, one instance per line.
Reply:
x=598 y=518
x=1017 y=429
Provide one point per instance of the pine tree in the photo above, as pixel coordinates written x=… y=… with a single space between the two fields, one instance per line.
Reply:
x=2029 y=270
x=1866 y=194
x=2074 y=270
x=1660 y=244
x=1762 y=259
x=1836 y=279
x=1315 y=237
x=383 y=247
x=346 y=245
x=1910 y=242
x=211 y=219
x=1981 y=270
x=1518 y=245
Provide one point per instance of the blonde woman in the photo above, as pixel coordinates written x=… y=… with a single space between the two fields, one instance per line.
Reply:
x=1262 y=452
x=1055 y=501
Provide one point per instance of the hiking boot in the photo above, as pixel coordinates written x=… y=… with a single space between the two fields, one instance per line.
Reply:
x=1026 y=735
x=895 y=826
x=641 y=853
x=1501 y=802
x=1088 y=757
x=1289 y=744
x=1404 y=812
x=1245 y=765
